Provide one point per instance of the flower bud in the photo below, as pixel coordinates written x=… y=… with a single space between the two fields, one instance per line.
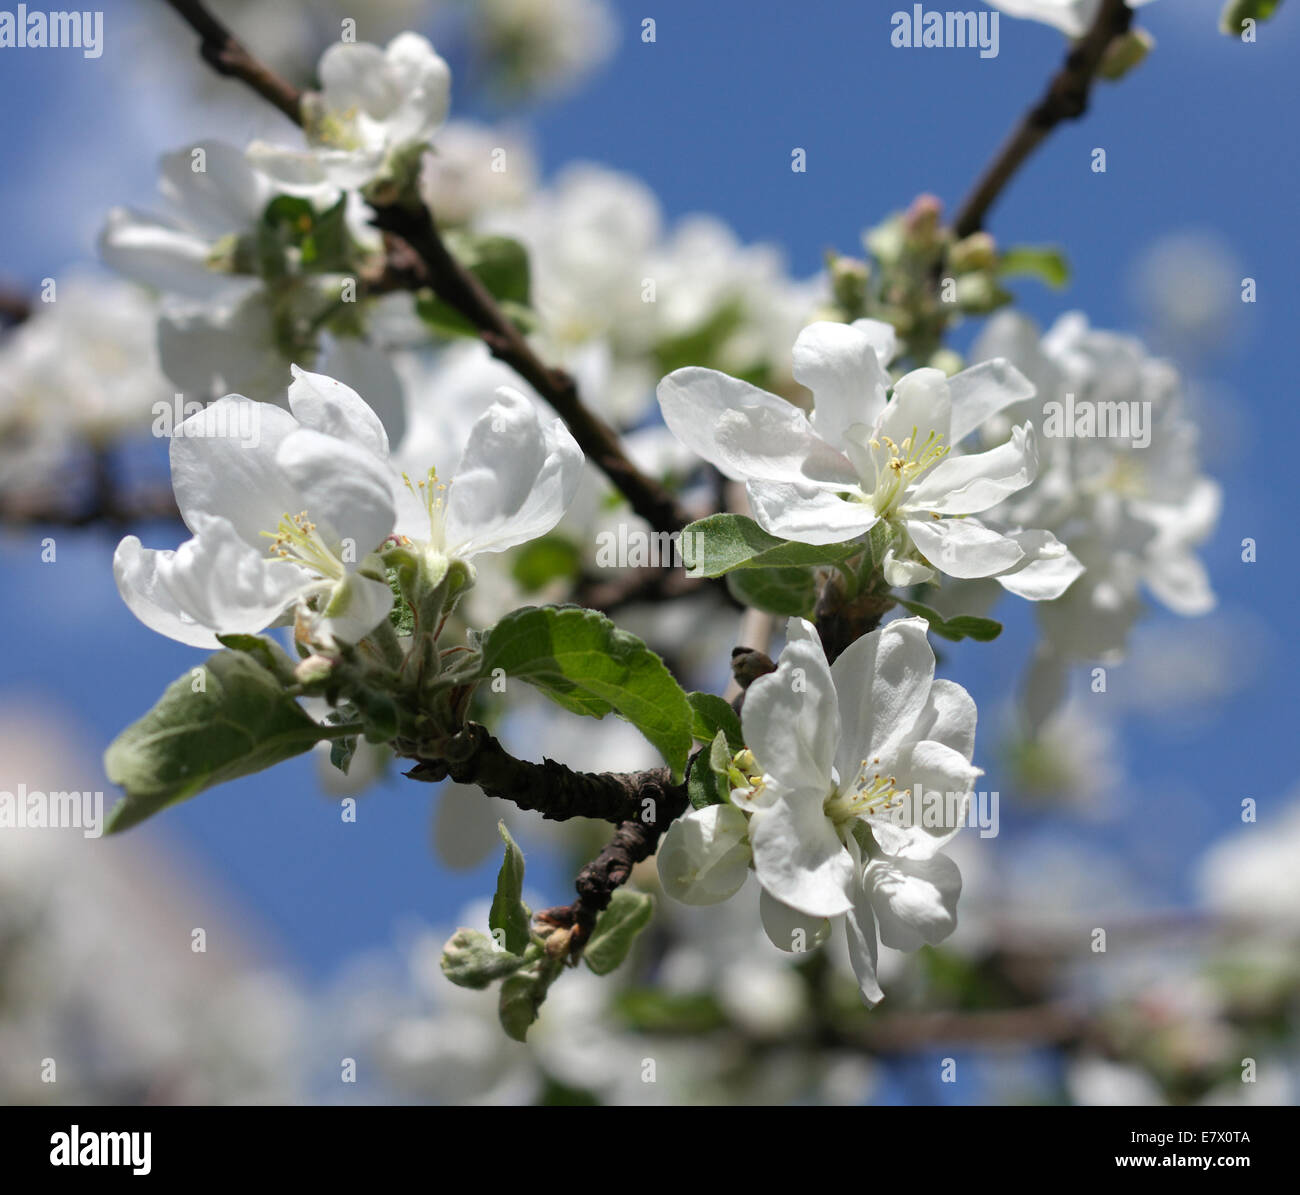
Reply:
x=1124 y=53
x=978 y=251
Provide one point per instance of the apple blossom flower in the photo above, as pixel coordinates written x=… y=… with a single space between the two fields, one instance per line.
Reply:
x=862 y=457
x=240 y=469
x=1132 y=508
x=374 y=104
x=206 y=246
x=861 y=773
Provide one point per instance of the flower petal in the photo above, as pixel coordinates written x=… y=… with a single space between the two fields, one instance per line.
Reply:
x=798 y=856
x=883 y=681
x=806 y=513
x=839 y=364
x=860 y=927
x=214 y=583
x=1048 y=569
x=964 y=547
x=937 y=782
x=347 y=492
x=788 y=929
x=353 y=608
x=704 y=856
x=226 y=196
x=982 y=391
x=748 y=433
x=515 y=479
x=949 y=718
x=968 y=484
x=223 y=463
x=157 y=254
x=919 y=405
x=791 y=717
x=328 y=406
x=915 y=900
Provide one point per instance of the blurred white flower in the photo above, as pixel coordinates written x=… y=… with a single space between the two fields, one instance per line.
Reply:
x=374 y=104
x=1252 y=873
x=475 y=168
x=543 y=45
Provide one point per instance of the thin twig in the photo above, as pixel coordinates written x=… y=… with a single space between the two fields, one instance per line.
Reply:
x=1066 y=98
x=227 y=56
x=457 y=286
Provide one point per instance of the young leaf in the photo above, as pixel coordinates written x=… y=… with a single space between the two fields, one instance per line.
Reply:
x=788 y=592
x=712 y=714
x=723 y=542
x=964 y=626
x=472 y=960
x=522 y=995
x=583 y=662
x=627 y=914
x=1044 y=262
x=510 y=916
x=229 y=719
x=704 y=785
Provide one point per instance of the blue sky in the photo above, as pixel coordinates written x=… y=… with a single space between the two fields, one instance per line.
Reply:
x=708 y=116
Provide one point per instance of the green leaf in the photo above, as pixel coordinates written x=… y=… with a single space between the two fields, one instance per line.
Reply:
x=522 y=995
x=706 y=778
x=964 y=626
x=789 y=592
x=472 y=960
x=501 y=265
x=510 y=916
x=654 y=1010
x=583 y=662
x=1044 y=262
x=626 y=915
x=320 y=237
x=239 y=721
x=723 y=542
x=401 y=617
x=1237 y=12
x=541 y=561
x=713 y=714
x=266 y=652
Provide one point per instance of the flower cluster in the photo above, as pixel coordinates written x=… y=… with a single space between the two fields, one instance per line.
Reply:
x=856 y=774
x=290 y=509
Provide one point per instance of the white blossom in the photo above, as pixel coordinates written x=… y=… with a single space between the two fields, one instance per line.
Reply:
x=861 y=774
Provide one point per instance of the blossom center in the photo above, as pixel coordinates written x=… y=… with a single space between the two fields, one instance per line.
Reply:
x=903 y=465
x=297 y=541
x=869 y=793
x=432 y=494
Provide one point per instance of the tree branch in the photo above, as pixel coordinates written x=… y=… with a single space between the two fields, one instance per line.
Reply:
x=1066 y=98
x=457 y=286
x=556 y=792
x=227 y=56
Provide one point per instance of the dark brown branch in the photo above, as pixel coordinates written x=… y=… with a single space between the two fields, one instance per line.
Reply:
x=549 y=788
x=460 y=289
x=1066 y=98
x=227 y=56
x=456 y=286
x=633 y=842
x=643 y=804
